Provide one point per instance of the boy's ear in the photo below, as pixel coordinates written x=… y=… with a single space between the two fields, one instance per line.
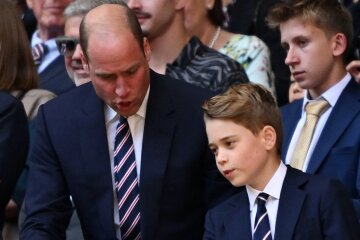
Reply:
x=339 y=44
x=269 y=137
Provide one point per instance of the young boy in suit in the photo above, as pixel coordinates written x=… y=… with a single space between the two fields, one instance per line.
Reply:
x=244 y=129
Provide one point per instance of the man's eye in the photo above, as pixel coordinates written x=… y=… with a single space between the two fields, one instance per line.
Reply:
x=131 y=71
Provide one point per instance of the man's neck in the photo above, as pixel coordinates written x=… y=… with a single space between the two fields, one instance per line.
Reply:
x=50 y=33
x=167 y=47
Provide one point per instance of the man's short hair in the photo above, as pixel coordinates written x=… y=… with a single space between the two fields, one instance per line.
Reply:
x=248 y=104
x=131 y=21
x=78 y=8
x=329 y=15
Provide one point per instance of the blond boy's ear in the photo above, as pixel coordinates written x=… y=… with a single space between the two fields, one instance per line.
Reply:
x=269 y=137
x=339 y=44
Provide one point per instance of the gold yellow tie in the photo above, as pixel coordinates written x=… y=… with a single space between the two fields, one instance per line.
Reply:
x=313 y=112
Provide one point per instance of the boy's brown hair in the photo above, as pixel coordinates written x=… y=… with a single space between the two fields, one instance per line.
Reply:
x=248 y=104
x=329 y=15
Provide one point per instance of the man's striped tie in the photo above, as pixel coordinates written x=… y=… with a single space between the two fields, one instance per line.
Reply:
x=38 y=53
x=126 y=182
x=262 y=225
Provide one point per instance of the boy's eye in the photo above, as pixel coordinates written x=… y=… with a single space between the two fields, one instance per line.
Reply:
x=213 y=150
x=285 y=47
x=302 y=43
x=229 y=143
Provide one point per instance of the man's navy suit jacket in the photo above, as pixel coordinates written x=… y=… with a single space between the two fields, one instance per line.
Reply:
x=14 y=142
x=55 y=77
x=178 y=179
x=337 y=153
x=310 y=207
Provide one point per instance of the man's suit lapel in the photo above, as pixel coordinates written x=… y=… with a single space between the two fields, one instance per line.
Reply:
x=237 y=224
x=158 y=135
x=346 y=108
x=291 y=115
x=96 y=160
x=290 y=204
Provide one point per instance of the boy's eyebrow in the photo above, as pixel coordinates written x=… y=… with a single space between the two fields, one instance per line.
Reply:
x=223 y=139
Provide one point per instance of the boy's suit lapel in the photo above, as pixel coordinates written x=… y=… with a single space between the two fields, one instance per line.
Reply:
x=237 y=225
x=341 y=117
x=290 y=204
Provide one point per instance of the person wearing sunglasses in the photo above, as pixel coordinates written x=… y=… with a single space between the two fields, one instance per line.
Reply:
x=50 y=24
x=69 y=46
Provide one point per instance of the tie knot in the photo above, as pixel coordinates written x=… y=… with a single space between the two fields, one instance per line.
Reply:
x=123 y=120
x=38 y=52
x=262 y=198
x=317 y=107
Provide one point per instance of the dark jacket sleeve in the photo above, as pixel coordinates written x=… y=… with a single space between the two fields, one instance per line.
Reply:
x=14 y=140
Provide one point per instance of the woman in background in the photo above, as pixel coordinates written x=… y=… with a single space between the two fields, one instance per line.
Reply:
x=18 y=76
x=204 y=18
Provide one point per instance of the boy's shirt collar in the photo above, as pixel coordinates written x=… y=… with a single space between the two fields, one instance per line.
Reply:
x=332 y=94
x=273 y=188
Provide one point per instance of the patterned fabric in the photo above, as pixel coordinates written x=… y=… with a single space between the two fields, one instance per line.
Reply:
x=205 y=67
x=262 y=226
x=38 y=52
x=253 y=54
x=126 y=182
x=313 y=109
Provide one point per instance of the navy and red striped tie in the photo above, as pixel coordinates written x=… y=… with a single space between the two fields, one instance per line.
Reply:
x=126 y=182
x=262 y=225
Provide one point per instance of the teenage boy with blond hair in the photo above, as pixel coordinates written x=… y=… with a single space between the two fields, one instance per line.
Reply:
x=316 y=35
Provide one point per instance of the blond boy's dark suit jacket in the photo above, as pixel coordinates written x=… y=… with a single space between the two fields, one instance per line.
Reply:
x=178 y=181
x=310 y=207
x=337 y=153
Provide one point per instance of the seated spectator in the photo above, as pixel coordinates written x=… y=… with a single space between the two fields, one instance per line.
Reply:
x=186 y=59
x=50 y=65
x=204 y=19
x=244 y=129
x=295 y=91
x=321 y=132
x=18 y=76
x=69 y=46
x=354 y=68
x=249 y=17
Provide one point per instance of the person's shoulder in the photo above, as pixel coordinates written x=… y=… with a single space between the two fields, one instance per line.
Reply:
x=291 y=106
x=8 y=101
x=231 y=203
x=72 y=98
x=315 y=184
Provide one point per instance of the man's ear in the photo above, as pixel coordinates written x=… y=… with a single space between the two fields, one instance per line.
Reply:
x=147 y=49
x=339 y=44
x=268 y=135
